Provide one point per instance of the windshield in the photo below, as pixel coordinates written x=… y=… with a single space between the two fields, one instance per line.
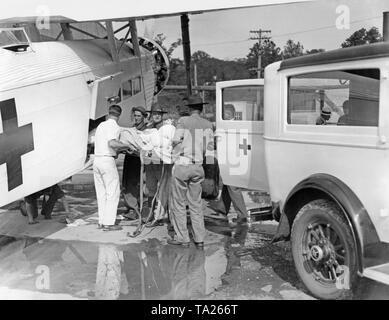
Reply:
x=12 y=37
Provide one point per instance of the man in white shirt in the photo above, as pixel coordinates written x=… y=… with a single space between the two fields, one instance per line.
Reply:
x=105 y=172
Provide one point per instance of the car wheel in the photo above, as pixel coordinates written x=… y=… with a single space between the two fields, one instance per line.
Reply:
x=323 y=250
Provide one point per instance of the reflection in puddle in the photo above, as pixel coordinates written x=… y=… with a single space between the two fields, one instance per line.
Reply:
x=149 y=270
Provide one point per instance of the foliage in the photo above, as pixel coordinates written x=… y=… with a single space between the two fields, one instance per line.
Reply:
x=292 y=49
x=269 y=52
x=160 y=38
x=362 y=36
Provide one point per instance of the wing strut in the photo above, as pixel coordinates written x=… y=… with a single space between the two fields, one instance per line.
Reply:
x=135 y=44
x=111 y=41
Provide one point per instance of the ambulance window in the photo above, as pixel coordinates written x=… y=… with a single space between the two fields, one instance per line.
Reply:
x=243 y=103
x=127 y=89
x=136 y=86
x=341 y=97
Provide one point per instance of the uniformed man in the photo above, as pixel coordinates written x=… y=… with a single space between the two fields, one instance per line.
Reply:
x=131 y=167
x=193 y=137
x=105 y=172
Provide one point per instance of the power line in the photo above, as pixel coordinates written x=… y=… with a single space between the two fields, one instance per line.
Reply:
x=321 y=28
x=281 y=35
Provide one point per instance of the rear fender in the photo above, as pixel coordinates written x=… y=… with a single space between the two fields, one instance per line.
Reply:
x=328 y=187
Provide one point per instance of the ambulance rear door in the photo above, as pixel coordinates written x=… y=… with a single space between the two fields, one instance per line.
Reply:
x=239 y=133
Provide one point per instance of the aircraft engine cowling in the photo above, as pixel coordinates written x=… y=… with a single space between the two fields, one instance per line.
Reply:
x=161 y=66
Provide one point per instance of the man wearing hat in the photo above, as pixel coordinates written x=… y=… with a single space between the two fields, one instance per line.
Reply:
x=131 y=167
x=105 y=172
x=153 y=164
x=325 y=115
x=192 y=139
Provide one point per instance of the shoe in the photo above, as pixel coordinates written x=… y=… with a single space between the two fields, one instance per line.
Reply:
x=199 y=245
x=153 y=224
x=130 y=216
x=112 y=228
x=178 y=243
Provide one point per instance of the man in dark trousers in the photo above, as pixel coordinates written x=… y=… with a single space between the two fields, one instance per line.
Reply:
x=131 y=168
x=192 y=139
x=29 y=207
x=153 y=165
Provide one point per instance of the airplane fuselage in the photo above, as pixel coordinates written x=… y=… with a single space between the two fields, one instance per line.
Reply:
x=48 y=96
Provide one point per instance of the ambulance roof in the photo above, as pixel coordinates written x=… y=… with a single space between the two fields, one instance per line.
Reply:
x=370 y=51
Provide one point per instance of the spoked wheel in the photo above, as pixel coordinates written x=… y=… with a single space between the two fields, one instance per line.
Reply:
x=323 y=250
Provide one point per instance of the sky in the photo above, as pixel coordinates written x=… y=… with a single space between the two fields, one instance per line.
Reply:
x=225 y=34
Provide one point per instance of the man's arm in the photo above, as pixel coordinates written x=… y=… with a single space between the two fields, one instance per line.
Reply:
x=118 y=146
x=209 y=146
x=179 y=133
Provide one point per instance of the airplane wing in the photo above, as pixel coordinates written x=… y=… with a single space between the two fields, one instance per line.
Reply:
x=91 y=10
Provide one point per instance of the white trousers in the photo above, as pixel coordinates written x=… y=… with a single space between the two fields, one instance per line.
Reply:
x=107 y=186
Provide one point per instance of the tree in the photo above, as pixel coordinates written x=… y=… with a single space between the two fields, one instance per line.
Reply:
x=292 y=49
x=200 y=55
x=160 y=38
x=269 y=52
x=362 y=36
x=210 y=69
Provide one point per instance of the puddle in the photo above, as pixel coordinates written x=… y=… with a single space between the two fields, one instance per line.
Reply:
x=148 y=270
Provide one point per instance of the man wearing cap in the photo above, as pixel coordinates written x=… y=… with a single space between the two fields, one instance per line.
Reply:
x=153 y=164
x=192 y=139
x=131 y=166
x=105 y=173
x=325 y=115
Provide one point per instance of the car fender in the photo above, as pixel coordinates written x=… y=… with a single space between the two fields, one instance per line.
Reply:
x=318 y=185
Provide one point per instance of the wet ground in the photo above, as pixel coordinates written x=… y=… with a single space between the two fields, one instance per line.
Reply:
x=52 y=261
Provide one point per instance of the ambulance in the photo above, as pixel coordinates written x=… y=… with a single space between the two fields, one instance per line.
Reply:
x=328 y=180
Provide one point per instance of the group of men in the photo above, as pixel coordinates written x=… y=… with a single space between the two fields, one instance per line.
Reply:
x=179 y=154
x=174 y=172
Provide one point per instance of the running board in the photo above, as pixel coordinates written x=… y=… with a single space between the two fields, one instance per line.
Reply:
x=378 y=273
x=259 y=213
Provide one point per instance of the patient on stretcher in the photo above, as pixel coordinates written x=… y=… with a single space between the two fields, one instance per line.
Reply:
x=153 y=144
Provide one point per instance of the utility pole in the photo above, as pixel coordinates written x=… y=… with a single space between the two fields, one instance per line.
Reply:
x=186 y=49
x=259 y=37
